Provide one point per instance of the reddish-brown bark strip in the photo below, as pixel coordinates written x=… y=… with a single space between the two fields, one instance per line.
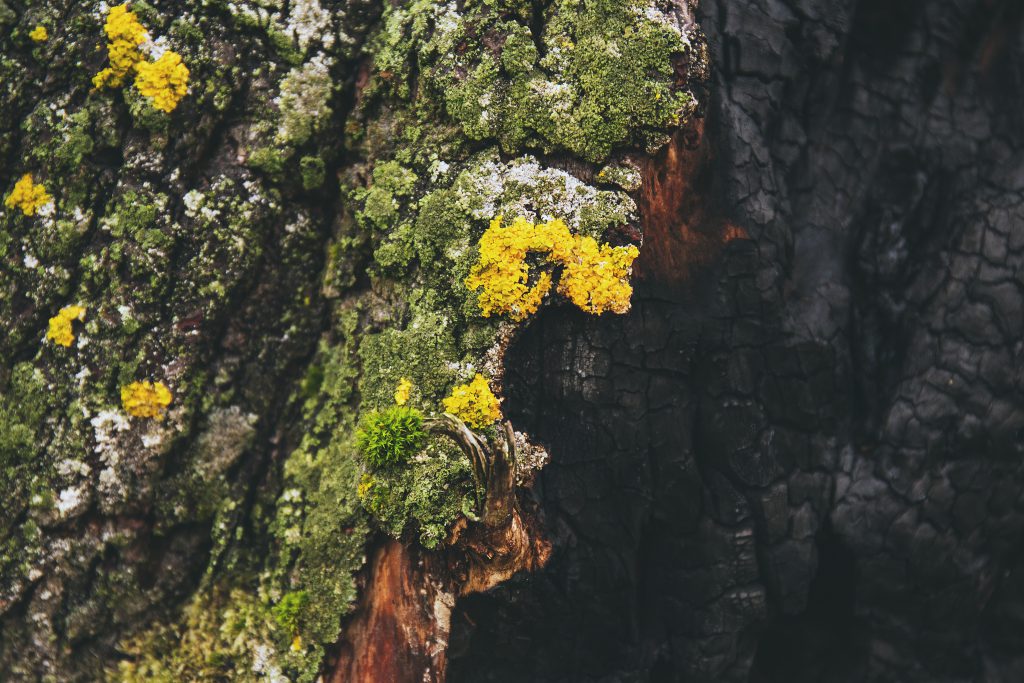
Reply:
x=682 y=225
x=400 y=633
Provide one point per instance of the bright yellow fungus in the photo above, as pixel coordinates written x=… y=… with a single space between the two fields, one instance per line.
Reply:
x=60 y=325
x=595 y=276
x=402 y=391
x=145 y=399
x=39 y=34
x=165 y=80
x=27 y=196
x=474 y=403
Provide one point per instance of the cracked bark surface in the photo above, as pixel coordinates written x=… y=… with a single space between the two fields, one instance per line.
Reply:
x=799 y=460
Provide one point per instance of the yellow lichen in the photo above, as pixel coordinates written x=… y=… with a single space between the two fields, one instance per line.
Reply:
x=402 y=391
x=474 y=403
x=145 y=399
x=39 y=34
x=165 y=80
x=595 y=277
x=125 y=34
x=366 y=485
x=60 y=325
x=27 y=196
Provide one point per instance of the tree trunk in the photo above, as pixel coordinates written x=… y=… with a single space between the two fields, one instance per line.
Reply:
x=797 y=457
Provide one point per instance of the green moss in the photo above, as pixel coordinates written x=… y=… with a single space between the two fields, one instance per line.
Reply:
x=518 y=54
x=322 y=531
x=24 y=405
x=390 y=437
x=225 y=634
x=284 y=45
x=381 y=200
x=289 y=609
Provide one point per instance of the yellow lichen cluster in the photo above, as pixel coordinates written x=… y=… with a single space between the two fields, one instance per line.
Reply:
x=27 y=196
x=60 y=325
x=402 y=391
x=473 y=403
x=125 y=34
x=39 y=34
x=595 y=276
x=164 y=81
x=145 y=399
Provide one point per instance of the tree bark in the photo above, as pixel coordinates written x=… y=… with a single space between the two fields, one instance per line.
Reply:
x=797 y=457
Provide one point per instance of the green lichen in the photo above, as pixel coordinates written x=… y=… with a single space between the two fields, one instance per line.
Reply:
x=312 y=169
x=427 y=495
x=605 y=79
x=23 y=406
x=225 y=634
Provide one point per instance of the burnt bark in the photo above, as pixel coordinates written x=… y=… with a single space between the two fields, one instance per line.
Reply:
x=798 y=458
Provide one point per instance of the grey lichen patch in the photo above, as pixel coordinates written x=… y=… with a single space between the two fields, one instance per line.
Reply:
x=625 y=175
x=303 y=101
x=524 y=187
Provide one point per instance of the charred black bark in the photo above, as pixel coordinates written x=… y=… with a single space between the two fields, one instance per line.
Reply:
x=805 y=464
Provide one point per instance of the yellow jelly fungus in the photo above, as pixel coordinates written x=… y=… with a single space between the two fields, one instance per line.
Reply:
x=60 y=325
x=27 y=196
x=39 y=34
x=402 y=391
x=297 y=644
x=124 y=34
x=145 y=399
x=594 y=277
x=474 y=403
x=165 y=80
